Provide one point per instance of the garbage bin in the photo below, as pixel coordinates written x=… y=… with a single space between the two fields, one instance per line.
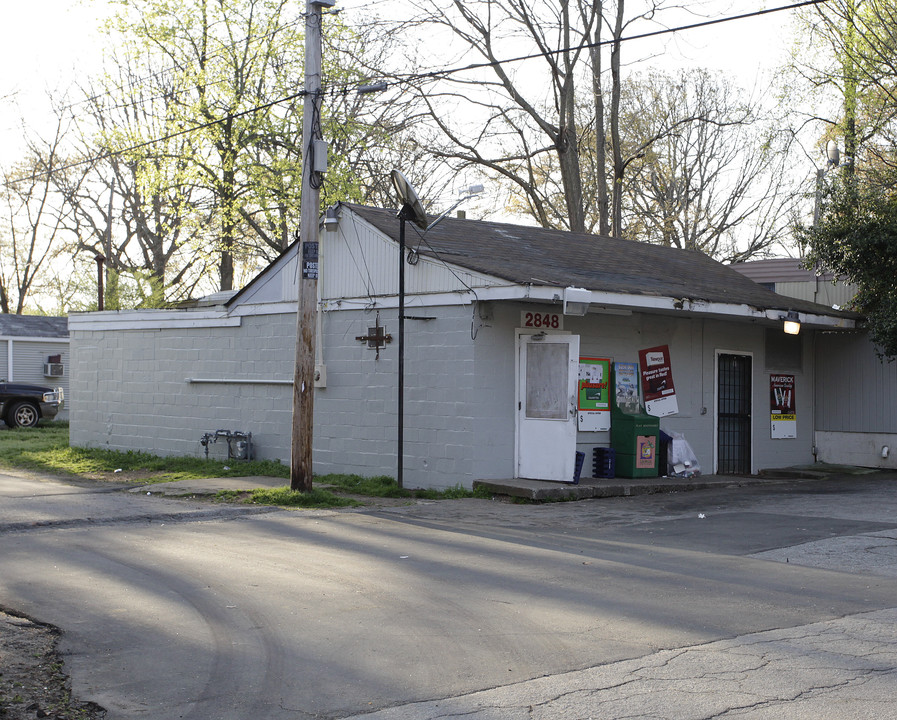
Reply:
x=636 y=444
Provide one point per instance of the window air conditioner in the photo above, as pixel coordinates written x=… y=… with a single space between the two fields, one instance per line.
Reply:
x=53 y=370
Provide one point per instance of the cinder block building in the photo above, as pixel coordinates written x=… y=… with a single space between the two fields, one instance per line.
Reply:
x=501 y=322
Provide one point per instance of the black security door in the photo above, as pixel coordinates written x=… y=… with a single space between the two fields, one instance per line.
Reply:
x=734 y=415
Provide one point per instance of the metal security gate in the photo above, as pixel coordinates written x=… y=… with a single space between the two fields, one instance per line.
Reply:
x=733 y=439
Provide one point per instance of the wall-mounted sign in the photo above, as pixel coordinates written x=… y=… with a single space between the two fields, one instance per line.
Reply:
x=594 y=394
x=626 y=390
x=309 y=261
x=541 y=320
x=657 y=382
x=782 y=407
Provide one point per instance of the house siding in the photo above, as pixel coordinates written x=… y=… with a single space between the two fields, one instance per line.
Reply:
x=26 y=364
x=856 y=397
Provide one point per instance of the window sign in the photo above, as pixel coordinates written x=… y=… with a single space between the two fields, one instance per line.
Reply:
x=782 y=407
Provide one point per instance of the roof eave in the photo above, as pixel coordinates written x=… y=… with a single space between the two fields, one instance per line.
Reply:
x=623 y=303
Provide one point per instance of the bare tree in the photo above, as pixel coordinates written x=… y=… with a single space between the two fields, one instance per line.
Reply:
x=32 y=224
x=709 y=176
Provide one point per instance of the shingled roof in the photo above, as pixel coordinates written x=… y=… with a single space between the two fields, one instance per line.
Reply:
x=538 y=256
x=38 y=326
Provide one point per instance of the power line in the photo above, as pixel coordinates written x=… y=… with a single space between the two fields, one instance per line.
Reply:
x=161 y=73
x=435 y=74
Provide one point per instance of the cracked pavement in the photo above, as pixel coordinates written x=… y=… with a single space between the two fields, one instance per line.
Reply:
x=843 y=668
x=749 y=602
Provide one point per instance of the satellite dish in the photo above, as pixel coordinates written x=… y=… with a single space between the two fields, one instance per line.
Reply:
x=408 y=197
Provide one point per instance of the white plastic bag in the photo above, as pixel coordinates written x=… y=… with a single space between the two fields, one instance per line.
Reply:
x=682 y=459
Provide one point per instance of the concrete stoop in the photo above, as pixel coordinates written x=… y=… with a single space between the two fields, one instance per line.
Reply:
x=587 y=488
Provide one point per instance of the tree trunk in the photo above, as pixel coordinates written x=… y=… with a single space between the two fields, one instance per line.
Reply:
x=601 y=190
x=616 y=87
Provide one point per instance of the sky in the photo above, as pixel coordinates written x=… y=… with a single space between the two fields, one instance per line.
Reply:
x=50 y=44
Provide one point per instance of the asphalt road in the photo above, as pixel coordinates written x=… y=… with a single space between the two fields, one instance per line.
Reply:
x=773 y=601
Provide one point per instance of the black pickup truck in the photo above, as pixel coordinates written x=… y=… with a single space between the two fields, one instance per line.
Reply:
x=23 y=405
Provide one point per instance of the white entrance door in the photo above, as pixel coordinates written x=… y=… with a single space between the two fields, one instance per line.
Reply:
x=548 y=367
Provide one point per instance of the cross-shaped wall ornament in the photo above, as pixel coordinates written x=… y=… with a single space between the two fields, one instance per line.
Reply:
x=377 y=336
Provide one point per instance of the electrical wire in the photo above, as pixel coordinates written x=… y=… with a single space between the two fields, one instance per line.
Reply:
x=435 y=74
x=160 y=74
x=474 y=331
x=441 y=74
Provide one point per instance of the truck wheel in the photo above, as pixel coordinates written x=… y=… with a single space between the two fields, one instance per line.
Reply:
x=23 y=414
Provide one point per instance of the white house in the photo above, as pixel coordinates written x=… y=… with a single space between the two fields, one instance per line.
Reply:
x=495 y=315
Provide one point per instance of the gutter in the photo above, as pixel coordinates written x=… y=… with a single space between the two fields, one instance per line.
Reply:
x=599 y=301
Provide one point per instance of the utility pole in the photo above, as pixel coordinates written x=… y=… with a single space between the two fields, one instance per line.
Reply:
x=313 y=166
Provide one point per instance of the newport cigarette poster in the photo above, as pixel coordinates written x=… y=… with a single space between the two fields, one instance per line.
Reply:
x=782 y=407
x=594 y=394
x=657 y=381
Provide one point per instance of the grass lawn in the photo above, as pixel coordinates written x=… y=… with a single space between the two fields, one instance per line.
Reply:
x=46 y=449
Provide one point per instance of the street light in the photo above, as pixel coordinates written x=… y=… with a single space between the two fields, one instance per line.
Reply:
x=833 y=160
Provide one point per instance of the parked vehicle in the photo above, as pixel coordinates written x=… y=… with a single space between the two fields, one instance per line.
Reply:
x=23 y=405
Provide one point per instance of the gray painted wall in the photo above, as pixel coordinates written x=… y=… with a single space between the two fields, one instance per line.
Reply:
x=857 y=391
x=131 y=389
x=459 y=398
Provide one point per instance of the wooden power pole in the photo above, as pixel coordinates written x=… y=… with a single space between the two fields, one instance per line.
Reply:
x=313 y=166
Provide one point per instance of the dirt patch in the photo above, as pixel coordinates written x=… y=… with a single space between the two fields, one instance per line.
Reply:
x=32 y=681
x=126 y=476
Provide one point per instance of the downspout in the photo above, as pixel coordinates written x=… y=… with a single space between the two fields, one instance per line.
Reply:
x=320 y=380
x=815 y=392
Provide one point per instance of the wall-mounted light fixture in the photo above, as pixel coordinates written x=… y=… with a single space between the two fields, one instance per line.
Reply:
x=792 y=322
x=576 y=301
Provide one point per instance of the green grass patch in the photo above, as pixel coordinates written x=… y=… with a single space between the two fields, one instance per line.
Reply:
x=46 y=449
x=285 y=497
x=386 y=487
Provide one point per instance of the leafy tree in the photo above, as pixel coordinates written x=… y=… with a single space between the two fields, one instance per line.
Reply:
x=136 y=202
x=857 y=240
x=223 y=63
x=855 y=235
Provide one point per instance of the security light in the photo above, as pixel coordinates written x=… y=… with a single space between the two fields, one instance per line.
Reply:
x=576 y=301
x=792 y=322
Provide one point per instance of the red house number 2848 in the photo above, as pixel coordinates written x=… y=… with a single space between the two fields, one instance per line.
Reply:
x=542 y=320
